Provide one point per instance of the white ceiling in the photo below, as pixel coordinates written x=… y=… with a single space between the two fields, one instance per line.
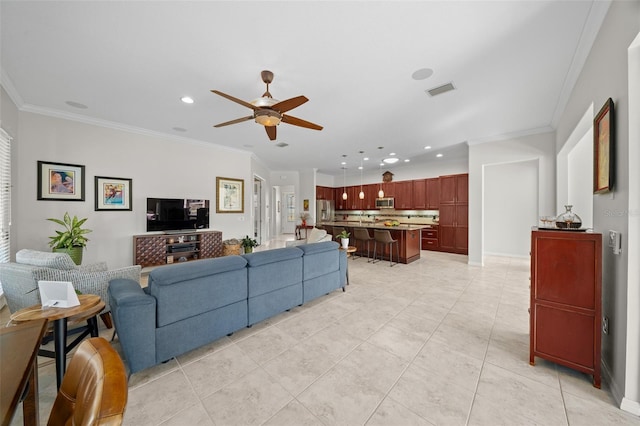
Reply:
x=513 y=64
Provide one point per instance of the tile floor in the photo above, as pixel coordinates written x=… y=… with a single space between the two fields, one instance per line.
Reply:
x=435 y=342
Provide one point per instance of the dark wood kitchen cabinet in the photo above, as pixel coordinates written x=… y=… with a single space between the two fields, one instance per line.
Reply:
x=403 y=195
x=454 y=213
x=566 y=300
x=420 y=194
x=433 y=194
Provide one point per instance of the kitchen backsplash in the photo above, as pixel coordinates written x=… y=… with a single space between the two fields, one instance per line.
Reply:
x=421 y=217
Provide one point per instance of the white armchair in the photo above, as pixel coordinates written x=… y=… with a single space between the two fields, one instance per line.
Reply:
x=19 y=280
x=314 y=236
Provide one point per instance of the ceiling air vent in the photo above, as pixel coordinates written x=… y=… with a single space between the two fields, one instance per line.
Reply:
x=282 y=144
x=441 y=89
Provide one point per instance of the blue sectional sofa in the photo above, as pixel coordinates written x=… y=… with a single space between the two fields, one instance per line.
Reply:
x=188 y=305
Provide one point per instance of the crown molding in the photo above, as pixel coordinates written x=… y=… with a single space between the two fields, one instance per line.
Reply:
x=512 y=135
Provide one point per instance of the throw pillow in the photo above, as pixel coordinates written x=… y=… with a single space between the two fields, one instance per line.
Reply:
x=316 y=235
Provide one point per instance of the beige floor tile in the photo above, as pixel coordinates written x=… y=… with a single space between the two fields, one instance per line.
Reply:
x=293 y=414
x=456 y=367
x=535 y=401
x=218 y=369
x=390 y=412
x=251 y=400
x=160 y=400
x=433 y=397
x=265 y=345
x=589 y=412
x=194 y=415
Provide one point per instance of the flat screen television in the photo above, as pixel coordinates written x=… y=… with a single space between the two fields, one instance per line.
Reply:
x=177 y=214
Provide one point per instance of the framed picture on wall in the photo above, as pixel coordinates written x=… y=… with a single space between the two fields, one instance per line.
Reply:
x=113 y=193
x=604 y=149
x=60 y=181
x=229 y=195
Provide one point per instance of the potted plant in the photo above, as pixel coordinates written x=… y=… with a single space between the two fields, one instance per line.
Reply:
x=344 y=237
x=248 y=244
x=304 y=216
x=72 y=240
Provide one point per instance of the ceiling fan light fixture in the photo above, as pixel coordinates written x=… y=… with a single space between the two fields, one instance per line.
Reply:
x=268 y=117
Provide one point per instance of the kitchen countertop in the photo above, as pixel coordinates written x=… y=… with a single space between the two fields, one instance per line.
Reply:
x=377 y=225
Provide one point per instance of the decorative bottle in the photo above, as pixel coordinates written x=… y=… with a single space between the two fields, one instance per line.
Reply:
x=568 y=219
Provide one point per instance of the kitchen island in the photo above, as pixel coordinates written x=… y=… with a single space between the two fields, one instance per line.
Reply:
x=408 y=236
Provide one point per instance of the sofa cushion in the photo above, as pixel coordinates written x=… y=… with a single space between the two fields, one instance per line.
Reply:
x=42 y=258
x=188 y=289
x=320 y=259
x=271 y=270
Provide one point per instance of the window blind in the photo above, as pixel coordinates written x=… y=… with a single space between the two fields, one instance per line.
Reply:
x=5 y=195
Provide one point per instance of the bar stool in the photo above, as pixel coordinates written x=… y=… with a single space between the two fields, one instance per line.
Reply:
x=384 y=237
x=361 y=234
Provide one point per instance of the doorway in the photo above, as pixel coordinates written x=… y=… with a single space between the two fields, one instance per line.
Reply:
x=257 y=209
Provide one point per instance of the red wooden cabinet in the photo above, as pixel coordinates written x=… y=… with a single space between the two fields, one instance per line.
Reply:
x=430 y=240
x=403 y=195
x=433 y=193
x=454 y=213
x=420 y=194
x=566 y=300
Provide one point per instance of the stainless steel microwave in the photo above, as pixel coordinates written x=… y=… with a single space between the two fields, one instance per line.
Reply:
x=384 y=203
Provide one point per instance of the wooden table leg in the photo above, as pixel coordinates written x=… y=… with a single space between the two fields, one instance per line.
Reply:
x=60 y=339
x=30 y=404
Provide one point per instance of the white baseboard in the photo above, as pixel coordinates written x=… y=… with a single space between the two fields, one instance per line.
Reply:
x=630 y=406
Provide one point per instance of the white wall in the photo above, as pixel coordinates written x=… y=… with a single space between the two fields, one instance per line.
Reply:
x=539 y=148
x=159 y=167
x=510 y=207
x=605 y=75
x=580 y=180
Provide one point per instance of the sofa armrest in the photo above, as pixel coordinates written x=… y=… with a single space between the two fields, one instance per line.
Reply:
x=134 y=316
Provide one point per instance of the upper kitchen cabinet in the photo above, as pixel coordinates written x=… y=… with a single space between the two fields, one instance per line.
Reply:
x=324 y=193
x=454 y=188
x=433 y=194
x=403 y=195
x=420 y=194
x=370 y=195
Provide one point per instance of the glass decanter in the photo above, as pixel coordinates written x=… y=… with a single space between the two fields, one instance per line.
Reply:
x=568 y=219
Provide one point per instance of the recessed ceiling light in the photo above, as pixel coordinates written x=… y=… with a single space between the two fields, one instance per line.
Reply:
x=366 y=158
x=343 y=163
x=179 y=129
x=422 y=74
x=187 y=99
x=392 y=153
x=439 y=155
x=359 y=167
x=427 y=147
x=406 y=160
x=76 y=104
x=282 y=145
x=390 y=160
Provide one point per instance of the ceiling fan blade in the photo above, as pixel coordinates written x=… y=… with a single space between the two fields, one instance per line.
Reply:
x=300 y=122
x=237 y=120
x=289 y=104
x=236 y=100
x=271 y=132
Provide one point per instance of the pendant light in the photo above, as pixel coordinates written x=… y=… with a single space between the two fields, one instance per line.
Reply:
x=344 y=182
x=361 y=195
x=381 y=192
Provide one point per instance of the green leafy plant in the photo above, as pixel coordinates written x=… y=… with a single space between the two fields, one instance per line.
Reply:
x=344 y=234
x=248 y=243
x=73 y=234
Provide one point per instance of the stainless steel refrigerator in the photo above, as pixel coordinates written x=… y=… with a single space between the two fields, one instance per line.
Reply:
x=325 y=211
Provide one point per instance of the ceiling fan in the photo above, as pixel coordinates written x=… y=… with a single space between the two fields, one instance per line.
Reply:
x=268 y=111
